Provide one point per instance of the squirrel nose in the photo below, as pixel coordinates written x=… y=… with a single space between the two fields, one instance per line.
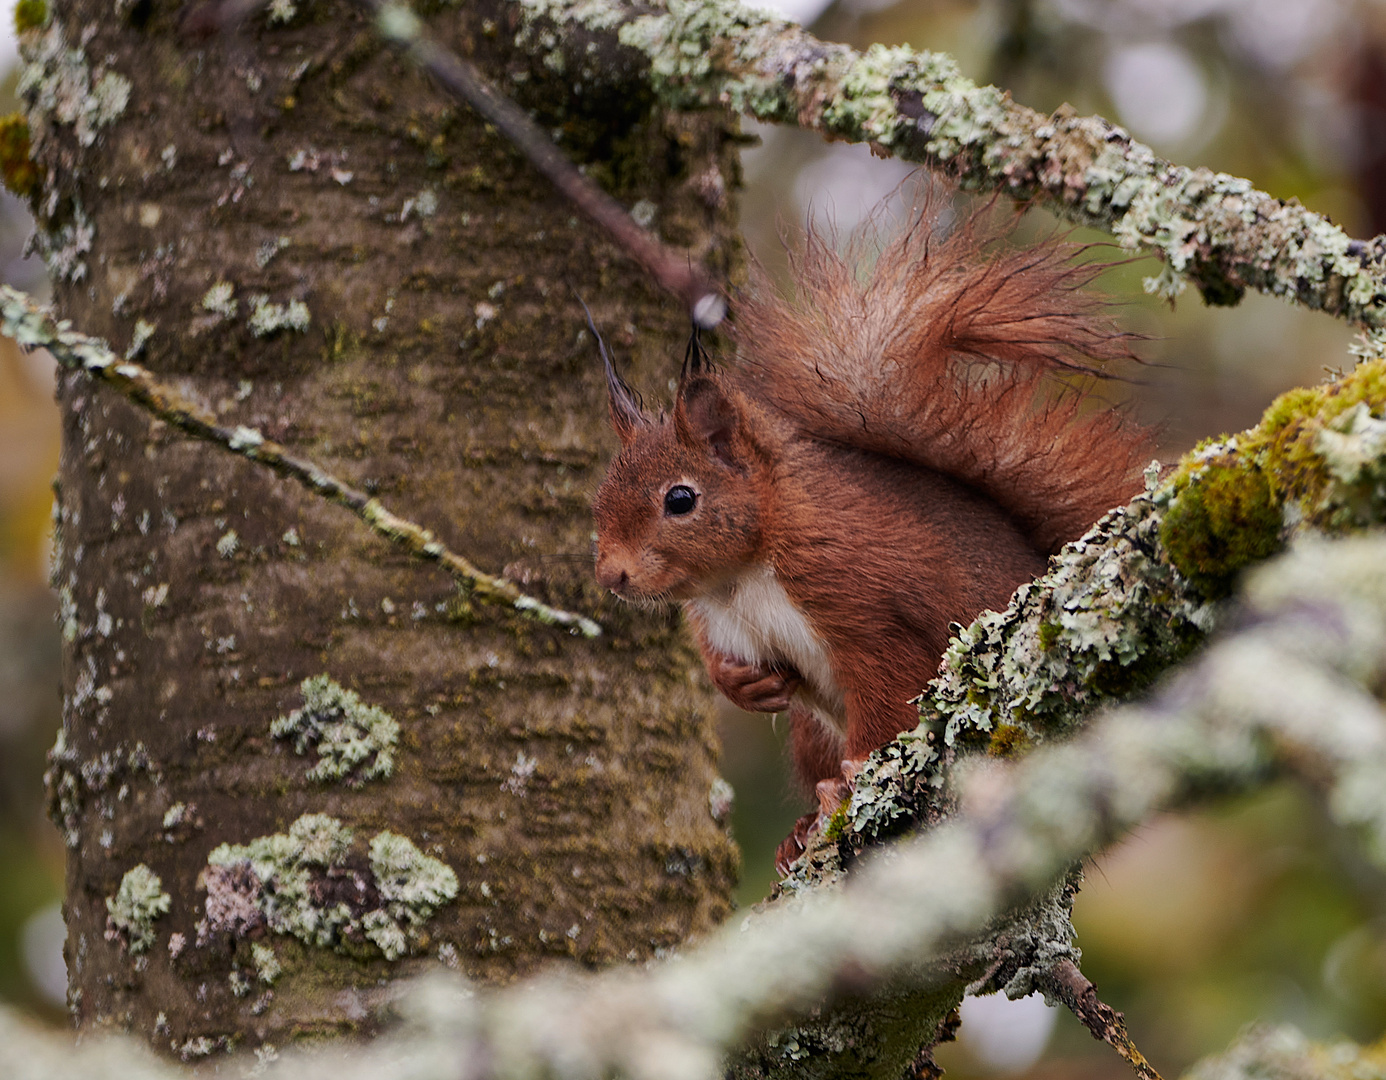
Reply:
x=610 y=576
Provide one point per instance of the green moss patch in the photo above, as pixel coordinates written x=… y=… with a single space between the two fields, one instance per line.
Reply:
x=1315 y=460
x=30 y=15
x=17 y=169
x=1009 y=741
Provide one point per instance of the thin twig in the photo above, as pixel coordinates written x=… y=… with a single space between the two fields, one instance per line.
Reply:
x=675 y=271
x=28 y=324
x=1073 y=988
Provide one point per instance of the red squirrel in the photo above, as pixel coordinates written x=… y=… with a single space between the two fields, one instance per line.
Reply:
x=885 y=458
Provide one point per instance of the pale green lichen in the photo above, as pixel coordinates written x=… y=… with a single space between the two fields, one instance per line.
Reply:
x=720 y=799
x=1353 y=446
x=397 y=23
x=144 y=330
x=70 y=782
x=424 y=205
x=269 y=318
x=228 y=544
x=355 y=742
x=306 y=884
x=680 y=45
x=131 y=912
x=58 y=86
x=267 y=966
x=245 y=440
x=267 y=252
x=220 y=299
x=1283 y=1053
x=594 y=14
x=239 y=982
x=63 y=246
x=413 y=886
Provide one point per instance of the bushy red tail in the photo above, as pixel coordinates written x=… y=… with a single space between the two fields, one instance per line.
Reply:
x=943 y=352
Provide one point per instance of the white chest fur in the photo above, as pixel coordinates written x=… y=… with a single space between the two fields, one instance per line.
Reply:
x=753 y=618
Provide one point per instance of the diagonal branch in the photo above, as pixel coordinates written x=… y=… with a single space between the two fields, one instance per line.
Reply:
x=673 y=270
x=1065 y=982
x=1214 y=229
x=23 y=320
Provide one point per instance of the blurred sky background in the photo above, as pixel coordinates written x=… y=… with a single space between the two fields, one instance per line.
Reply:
x=1197 y=924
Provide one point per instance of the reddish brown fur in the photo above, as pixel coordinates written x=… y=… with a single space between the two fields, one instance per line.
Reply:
x=939 y=355
x=888 y=446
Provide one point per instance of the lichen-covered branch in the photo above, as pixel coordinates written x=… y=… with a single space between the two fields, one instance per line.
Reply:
x=1216 y=230
x=1289 y=694
x=1130 y=599
x=25 y=322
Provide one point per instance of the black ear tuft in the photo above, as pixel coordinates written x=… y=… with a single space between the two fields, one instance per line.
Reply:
x=628 y=416
x=695 y=359
x=706 y=416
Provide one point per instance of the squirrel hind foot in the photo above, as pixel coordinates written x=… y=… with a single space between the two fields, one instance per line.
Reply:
x=831 y=795
x=793 y=846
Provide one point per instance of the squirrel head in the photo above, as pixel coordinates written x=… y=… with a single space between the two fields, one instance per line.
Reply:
x=680 y=507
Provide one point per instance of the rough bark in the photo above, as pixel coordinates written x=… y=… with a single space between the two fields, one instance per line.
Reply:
x=301 y=231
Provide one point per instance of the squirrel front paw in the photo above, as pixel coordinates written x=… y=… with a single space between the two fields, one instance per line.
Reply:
x=754 y=687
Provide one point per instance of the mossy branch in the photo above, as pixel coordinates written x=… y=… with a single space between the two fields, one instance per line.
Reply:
x=29 y=325
x=1289 y=694
x=1215 y=230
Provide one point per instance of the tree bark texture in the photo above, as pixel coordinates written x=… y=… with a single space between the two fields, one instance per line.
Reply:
x=298 y=229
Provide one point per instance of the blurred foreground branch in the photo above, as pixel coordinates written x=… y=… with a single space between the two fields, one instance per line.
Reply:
x=1288 y=693
x=25 y=322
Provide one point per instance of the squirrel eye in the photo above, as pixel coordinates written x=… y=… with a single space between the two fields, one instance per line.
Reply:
x=680 y=500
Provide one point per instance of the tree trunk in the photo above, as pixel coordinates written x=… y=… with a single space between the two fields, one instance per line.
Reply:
x=296 y=227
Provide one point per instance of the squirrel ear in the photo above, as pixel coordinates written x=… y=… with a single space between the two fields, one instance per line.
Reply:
x=705 y=417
